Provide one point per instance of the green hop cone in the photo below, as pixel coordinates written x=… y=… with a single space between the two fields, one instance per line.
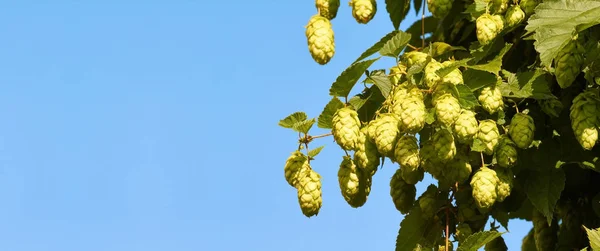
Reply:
x=528 y=243
x=487 y=28
x=466 y=126
x=295 y=164
x=545 y=235
x=309 y=192
x=350 y=179
x=439 y=8
x=455 y=77
x=443 y=145
x=409 y=106
x=506 y=152
x=463 y=231
x=484 y=183
x=505 y=184
x=552 y=107
x=412 y=176
x=396 y=73
x=363 y=10
x=428 y=202
x=521 y=130
x=386 y=134
x=447 y=109
x=496 y=244
x=346 y=128
x=514 y=16
x=430 y=162
x=413 y=58
x=442 y=88
x=528 y=6
x=459 y=170
x=431 y=77
x=366 y=156
x=406 y=152
x=499 y=6
x=403 y=194
x=584 y=118
x=320 y=38
x=490 y=99
x=328 y=8
x=489 y=135
x=568 y=63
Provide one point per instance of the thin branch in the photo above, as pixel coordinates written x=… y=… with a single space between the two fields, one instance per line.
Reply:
x=320 y=136
x=423 y=6
x=447 y=227
x=482 y=161
x=412 y=47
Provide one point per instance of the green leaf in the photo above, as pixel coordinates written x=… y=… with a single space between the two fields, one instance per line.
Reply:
x=478 y=240
x=430 y=118
x=495 y=65
x=314 y=152
x=377 y=46
x=476 y=79
x=304 y=126
x=531 y=84
x=394 y=46
x=346 y=81
x=480 y=52
x=466 y=98
x=476 y=9
x=326 y=117
x=360 y=99
x=438 y=49
x=477 y=145
x=292 y=119
x=397 y=10
x=543 y=188
x=501 y=216
x=382 y=81
x=554 y=23
x=593 y=237
x=367 y=103
x=411 y=230
x=418 y=4
x=445 y=70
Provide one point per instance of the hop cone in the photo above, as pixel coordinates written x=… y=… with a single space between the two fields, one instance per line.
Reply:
x=309 y=192
x=363 y=10
x=465 y=126
x=528 y=6
x=346 y=128
x=409 y=106
x=447 y=109
x=522 y=130
x=496 y=244
x=366 y=156
x=528 y=243
x=430 y=162
x=441 y=89
x=328 y=8
x=506 y=152
x=386 y=134
x=443 y=145
x=484 y=183
x=350 y=179
x=431 y=77
x=414 y=57
x=489 y=135
x=467 y=209
x=585 y=118
x=407 y=152
x=396 y=74
x=545 y=235
x=412 y=176
x=428 y=202
x=463 y=231
x=487 y=28
x=455 y=77
x=439 y=8
x=320 y=37
x=458 y=170
x=505 y=184
x=499 y=6
x=295 y=164
x=514 y=16
x=568 y=63
x=403 y=194
x=491 y=99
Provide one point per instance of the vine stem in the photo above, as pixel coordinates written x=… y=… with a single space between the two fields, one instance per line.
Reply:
x=424 y=5
x=412 y=47
x=320 y=136
x=482 y=161
x=447 y=227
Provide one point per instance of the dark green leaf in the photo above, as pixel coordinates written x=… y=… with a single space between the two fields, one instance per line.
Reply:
x=593 y=237
x=367 y=103
x=418 y=4
x=346 y=81
x=531 y=84
x=437 y=49
x=411 y=230
x=314 y=152
x=480 y=52
x=466 y=98
x=292 y=119
x=394 y=46
x=327 y=115
x=501 y=216
x=495 y=65
x=477 y=145
x=382 y=81
x=543 y=188
x=304 y=126
x=476 y=79
x=476 y=9
x=445 y=70
x=397 y=10
x=377 y=46
x=478 y=240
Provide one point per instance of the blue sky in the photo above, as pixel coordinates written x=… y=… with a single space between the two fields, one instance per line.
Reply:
x=152 y=125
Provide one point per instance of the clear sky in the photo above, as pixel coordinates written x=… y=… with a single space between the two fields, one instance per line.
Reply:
x=152 y=125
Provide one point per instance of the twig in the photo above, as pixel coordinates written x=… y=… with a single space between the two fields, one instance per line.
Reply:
x=447 y=227
x=482 y=161
x=320 y=136
x=423 y=6
x=412 y=47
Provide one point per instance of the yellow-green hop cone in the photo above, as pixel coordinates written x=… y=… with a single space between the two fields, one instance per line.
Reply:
x=514 y=16
x=443 y=145
x=466 y=126
x=499 y=6
x=328 y=8
x=346 y=128
x=545 y=235
x=411 y=111
x=505 y=184
x=528 y=243
x=568 y=63
x=413 y=58
x=406 y=152
x=442 y=88
x=439 y=8
x=459 y=170
x=350 y=179
x=309 y=192
x=584 y=118
x=366 y=156
x=295 y=164
x=363 y=10
x=484 y=183
x=386 y=134
x=431 y=77
x=489 y=135
x=487 y=28
x=528 y=6
x=396 y=73
x=412 y=176
x=455 y=77
x=320 y=38
x=403 y=194
x=463 y=231
x=497 y=244
x=428 y=202
x=430 y=162
x=447 y=109
x=521 y=130
x=490 y=99
x=506 y=152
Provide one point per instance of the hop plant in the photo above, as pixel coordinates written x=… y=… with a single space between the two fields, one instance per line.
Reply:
x=552 y=107
x=346 y=128
x=363 y=10
x=428 y=202
x=499 y=6
x=458 y=170
x=386 y=133
x=584 y=118
x=407 y=152
x=295 y=164
x=505 y=184
x=403 y=194
x=439 y=8
x=528 y=6
x=443 y=145
x=431 y=77
x=522 y=130
x=545 y=235
x=568 y=63
x=320 y=37
x=465 y=126
x=351 y=181
x=413 y=58
x=489 y=135
x=496 y=244
x=506 y=152
x=463 y=231
x=328 y=8
x=514 y=16
x=309 y=192
x=366 y=156
x=528 y=243
x=412 y=176
x=455 y=77
x=442 y=88
x=430 y=161
x=484 y=183
x=490 y=99
x=396 y=73
x=488 y=27
x=447 y=109
x=410 y=108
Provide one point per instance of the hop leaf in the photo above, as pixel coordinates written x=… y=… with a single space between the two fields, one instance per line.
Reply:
x=320 y=37
x=584 y=118
x=489 y=135
x=484 y=183
x=506 y=152
x=522 y=130
x=328 y=8
x=403 y=194
x=363 y=10
x=439 y=8
x=346 y=128
x=496 y=244
x=309 y=192
x=463 y=231
x=568 y=63
x=295 y=164
x=490 y=99
x=465 y=126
